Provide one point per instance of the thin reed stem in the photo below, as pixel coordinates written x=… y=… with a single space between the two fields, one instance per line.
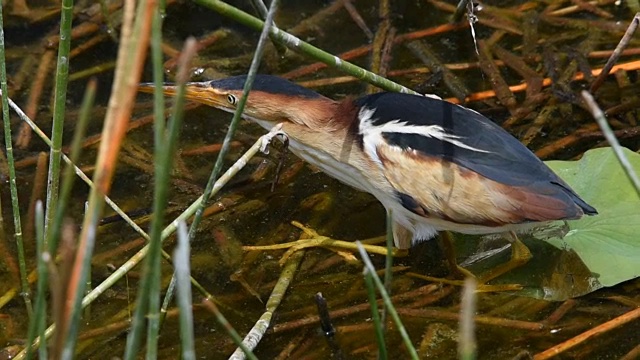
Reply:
x=387 y=301
x=182 y=274
x=467 y=346
x=69 y=171
x=300 y=46
x=59 y=106
x=222 y=320
x=261 y=326
x=388 y=266
x=25 y=292
x=165 y=149
x=237 y=115
x=378 y=327
x=601 y=119
x=130 y=62
x=38 y=323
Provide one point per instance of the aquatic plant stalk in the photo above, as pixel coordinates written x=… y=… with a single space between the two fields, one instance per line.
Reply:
x=378 y=327
x=37 y=323
x=601 y=119
x=601 y=329
x=237 y=115
x=158 y=113
x=133 y=47
x=467 y=345
x=226 y=144
x=222 y=320
x=84 y=116
x=165 y=147
x=626 y=38
x=298 y=45
x=258 y=330
x=69 y=178
x=13 y=186
x=136 y=258
x=388 y=278
x=182 y=274
x=59 y=106
x=388 y=264
x=387 y=301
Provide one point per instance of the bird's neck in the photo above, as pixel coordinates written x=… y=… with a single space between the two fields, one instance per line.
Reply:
x=317 y=114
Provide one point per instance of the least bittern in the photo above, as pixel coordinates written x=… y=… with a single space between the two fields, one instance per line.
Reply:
x=436 y=165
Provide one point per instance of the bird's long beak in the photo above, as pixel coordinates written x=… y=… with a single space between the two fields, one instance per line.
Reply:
x=200 y=92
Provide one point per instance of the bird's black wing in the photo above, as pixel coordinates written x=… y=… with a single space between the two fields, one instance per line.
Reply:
x=471 y=141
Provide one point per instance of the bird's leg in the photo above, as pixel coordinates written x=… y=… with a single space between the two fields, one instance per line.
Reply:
x=316 y=240
x=520 y=255
x=281 y=161
x=449 y=250
x=450 y=254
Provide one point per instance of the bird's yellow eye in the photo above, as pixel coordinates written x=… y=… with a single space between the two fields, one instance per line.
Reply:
x=232 y=99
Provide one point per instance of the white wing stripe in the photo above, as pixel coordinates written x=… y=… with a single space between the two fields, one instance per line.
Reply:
x=372 y=134
x=370 y=137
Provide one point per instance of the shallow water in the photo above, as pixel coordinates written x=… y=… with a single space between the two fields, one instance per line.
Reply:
x=247 y=212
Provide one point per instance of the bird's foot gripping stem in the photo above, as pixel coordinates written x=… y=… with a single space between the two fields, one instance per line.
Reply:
x=266 y=139
x=313 y=239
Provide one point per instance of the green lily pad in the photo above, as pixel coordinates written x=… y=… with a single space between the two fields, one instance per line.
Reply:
x=608 y=243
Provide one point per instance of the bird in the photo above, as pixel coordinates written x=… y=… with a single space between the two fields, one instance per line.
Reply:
x=434 y=165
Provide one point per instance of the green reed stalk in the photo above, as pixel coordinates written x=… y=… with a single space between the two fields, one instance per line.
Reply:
x=158 y=107
x=59 y=102
x=13 y=186
x=237 y=115
x=130 y=61
x=149 y=290
x=38 y=323
x=378 y=327
x=601 y=119
x=388 y=265
x=182 y=274
x=69 y=171
x=137 y=257
x=305 y=48
x=149 y=302
x=261 y=326
x=165 y=148
x=387 y=301
x=228 y=328
x=467 y=344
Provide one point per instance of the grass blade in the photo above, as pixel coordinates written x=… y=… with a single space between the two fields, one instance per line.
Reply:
x=182 y=274
x=59 y=103
x=15 y=204
x=467 y=343
x=130 y=62
x=375 y=316
x=38 y=324
x=601 y=119
x=300 y=46
x=164 y=152
x=237 y=115
x=387 y=301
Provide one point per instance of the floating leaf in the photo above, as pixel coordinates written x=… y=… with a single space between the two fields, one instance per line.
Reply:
x=608 y=243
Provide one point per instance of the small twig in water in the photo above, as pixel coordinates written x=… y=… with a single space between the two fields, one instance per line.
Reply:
x=327 y=327
x=600 y=118
x=616 y=53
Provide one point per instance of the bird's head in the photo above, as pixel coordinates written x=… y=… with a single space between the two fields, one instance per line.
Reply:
x=272 y=99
